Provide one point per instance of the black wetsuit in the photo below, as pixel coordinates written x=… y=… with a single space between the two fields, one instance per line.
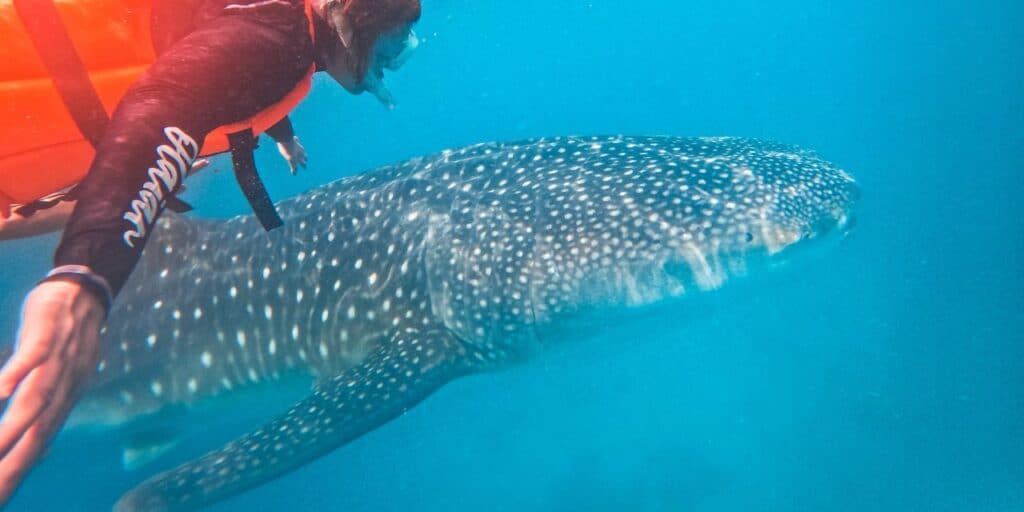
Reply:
x=218 y=62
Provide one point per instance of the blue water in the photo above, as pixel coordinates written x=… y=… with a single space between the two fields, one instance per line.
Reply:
x=887 y=374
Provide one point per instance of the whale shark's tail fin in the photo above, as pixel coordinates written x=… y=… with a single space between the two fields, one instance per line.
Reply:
x=405 y=370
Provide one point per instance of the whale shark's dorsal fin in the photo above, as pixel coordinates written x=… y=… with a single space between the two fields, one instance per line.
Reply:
x=408 y=367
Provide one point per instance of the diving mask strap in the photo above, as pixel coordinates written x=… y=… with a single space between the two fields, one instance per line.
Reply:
x=335 y=10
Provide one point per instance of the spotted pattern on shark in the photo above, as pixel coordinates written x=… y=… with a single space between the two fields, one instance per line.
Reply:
x=386 y=285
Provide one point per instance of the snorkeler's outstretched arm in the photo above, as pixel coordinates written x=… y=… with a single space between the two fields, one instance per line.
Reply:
x=410 y=366
x=218 y=74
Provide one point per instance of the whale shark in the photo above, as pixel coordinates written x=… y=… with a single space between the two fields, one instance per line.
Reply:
x=382 y=287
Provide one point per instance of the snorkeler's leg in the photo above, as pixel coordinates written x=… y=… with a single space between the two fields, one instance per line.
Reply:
x=38 y=223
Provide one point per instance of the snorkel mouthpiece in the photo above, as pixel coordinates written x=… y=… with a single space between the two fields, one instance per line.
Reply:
x=374 y=84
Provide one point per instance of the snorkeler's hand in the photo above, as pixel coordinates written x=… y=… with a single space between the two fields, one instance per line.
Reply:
x=293 y=153
x=56 y=354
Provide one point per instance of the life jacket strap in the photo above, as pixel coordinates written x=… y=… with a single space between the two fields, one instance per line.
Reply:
x=71 y=79
x=242 y=144
x=173 y=203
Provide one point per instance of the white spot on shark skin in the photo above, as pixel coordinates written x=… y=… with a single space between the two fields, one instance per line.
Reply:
x=156 y=388
x=240 y=338
x=193 y=385
x=272 y=347
x=233 y=292
x=151 y=340
x=268 y=312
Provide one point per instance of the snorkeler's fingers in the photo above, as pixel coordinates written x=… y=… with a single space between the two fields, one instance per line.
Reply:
x=30 y=447
x=32 y=351
x=45 y=324
x=17 y=463
x=45 y=387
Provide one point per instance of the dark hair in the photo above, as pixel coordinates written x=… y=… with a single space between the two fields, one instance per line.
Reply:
x=372 y=18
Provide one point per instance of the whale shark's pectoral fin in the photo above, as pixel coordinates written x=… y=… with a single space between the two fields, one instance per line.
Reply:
x=405 y=370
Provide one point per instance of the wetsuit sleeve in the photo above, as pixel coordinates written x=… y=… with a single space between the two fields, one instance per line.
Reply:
x=282 y=131
x=228 y=69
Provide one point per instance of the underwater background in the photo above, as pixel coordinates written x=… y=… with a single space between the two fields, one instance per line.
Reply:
x=886 y=373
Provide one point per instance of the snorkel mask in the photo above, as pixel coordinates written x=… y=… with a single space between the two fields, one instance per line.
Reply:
x=390 y=51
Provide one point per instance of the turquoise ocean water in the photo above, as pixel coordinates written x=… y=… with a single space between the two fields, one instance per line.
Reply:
x=885 y=374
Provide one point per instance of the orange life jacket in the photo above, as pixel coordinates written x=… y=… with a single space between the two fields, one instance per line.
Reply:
x=42 y=149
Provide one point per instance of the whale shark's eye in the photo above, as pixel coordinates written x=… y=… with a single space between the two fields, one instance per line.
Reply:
x=748 y=237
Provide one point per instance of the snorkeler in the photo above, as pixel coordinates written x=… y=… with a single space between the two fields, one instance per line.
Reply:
x=219 y=62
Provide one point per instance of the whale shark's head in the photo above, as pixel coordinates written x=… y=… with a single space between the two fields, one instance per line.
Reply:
x=660 y=217
x=759 y=203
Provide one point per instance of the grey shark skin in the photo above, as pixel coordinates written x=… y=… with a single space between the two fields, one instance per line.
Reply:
x=387 y=285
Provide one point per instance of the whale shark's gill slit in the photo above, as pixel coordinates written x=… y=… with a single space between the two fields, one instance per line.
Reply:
x=468 y=255
x=405 y=371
